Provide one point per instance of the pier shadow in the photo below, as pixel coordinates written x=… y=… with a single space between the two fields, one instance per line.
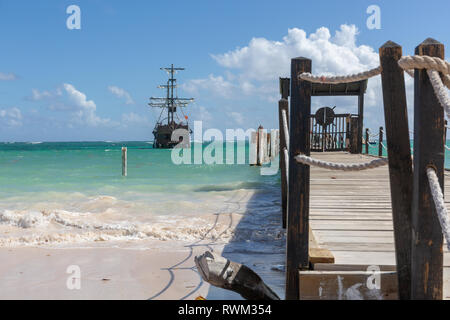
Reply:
x=258 y=242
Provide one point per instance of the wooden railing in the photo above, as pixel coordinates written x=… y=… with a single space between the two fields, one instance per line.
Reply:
x=417 y=230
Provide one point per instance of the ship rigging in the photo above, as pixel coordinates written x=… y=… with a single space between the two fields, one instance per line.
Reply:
x=163 y=129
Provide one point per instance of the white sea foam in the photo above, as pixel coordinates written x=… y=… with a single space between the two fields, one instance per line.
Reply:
x=27 y=220
x=75 y=227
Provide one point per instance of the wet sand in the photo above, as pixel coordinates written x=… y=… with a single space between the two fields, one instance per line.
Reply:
x=118 y=273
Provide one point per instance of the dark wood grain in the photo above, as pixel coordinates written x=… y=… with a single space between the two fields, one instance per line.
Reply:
x=298 y=197
x=400 y=163
x=380 y=142
x=367 y=140
x=427 y=254
x=360 y=118
x=354 y=132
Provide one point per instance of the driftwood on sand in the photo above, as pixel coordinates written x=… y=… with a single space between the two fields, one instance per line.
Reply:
x=226 y=274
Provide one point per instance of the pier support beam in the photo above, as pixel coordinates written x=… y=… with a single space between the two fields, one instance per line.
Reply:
x=427 y=239
x=380 y=143
x=400 y=163
x=298 y=198
x=367 y=140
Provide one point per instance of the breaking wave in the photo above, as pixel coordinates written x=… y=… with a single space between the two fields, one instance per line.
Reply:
x=63 y=227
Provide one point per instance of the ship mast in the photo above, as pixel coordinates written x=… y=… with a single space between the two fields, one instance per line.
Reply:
x=171 y=101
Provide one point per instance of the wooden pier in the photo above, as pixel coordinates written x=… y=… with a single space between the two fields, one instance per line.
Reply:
x=364 y=231
x=351 y=217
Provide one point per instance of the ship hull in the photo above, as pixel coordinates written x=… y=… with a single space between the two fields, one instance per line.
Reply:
x=164 y=138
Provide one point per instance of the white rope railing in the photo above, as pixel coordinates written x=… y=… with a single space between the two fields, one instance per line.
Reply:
x=285 y=127
x=439 y=203
x=427 y=62
x=433 y=66
x=340 y=79
x=341 y=166
x=439 y=90
x=446 y=78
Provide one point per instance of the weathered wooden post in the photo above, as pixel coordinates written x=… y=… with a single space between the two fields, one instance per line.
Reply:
x=348 y=134
x=283 y=106
x=427 y=252
x=367 y=140
x=380 y=144
x=360 y=118
x=124 y=161
x=298 y=198
x=253 y=149
x=354 y=134
x=400 y=163
x=274 y=143
x=262 y=145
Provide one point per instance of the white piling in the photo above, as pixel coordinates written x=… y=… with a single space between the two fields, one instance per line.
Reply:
x=274 y=143
x=124 y=161
x=262 y=156
x=253 y=152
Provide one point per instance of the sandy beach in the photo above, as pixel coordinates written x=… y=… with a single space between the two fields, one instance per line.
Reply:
x=117 y=273
x=246 y=229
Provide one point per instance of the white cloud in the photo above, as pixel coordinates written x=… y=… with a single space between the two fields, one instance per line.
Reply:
x=85 y=109
x=200 y=113
x=237 y=117
x=133 y=119
x=8 y=76
x=11 y=117
x=218 y=85
x=254 y=69
x=121 y=93
x=43 y=95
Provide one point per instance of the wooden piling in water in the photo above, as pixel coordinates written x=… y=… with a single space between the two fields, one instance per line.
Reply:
x=262 y=145
x=427 y=239
x=274 y=143
x=380 y=142
x=283 y=104
x=253 y=152
x=400 y=163
x=124 y=161
x=297 y=246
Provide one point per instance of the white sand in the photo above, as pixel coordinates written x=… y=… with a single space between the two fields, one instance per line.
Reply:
x=106 y=273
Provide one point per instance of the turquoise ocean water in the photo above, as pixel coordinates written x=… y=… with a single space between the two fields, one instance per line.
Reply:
x=373 y=150
x=73 y=194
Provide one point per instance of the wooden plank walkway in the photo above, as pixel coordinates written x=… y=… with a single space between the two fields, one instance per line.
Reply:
x=351 y=215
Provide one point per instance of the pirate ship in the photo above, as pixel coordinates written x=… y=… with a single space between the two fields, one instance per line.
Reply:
x=165 y=126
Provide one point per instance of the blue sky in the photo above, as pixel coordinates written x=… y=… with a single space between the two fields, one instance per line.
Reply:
x=93 y=84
